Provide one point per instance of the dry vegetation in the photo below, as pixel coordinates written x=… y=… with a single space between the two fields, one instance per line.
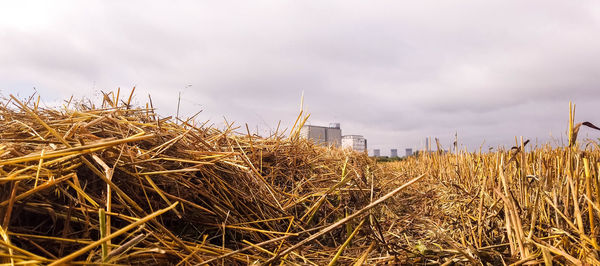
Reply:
x=520 y=206
x=116 y=184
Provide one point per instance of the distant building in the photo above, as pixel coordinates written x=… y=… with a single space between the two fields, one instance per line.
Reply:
x=376 y=153
x=394 y=153
x=354 y=142
x=409 y=152
x=331 y=135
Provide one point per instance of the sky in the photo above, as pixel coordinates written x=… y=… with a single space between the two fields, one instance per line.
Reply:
x=393 y=71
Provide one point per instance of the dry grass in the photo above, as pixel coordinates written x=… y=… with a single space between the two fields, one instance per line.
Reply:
x=525 y=205
x=117 y=184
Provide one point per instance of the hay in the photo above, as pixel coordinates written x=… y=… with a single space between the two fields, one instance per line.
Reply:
x=526 y=205
x=117 y=184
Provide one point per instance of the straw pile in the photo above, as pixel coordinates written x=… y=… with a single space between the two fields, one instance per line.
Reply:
x=116 y=184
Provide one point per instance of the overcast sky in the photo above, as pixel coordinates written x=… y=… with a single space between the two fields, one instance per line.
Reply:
x=393 y=71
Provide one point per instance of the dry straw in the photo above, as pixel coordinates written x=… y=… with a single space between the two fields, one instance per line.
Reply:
x=525 y=205
x=118 y=184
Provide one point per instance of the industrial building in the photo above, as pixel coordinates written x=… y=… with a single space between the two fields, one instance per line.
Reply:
x=409 y=152
x=394 y=153
x=331 y=135
x=354 y=142
x=377 y=153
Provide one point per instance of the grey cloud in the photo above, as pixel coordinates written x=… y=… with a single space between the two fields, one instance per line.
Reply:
x=395 y=72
